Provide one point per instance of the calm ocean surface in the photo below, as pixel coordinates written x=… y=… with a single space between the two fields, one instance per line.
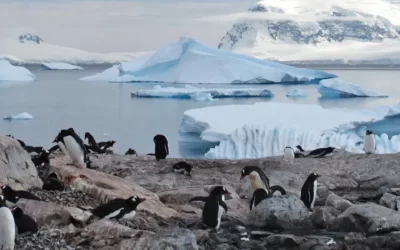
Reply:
x=59 y=100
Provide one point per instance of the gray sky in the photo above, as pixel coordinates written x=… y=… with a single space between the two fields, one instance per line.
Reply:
x=118 y=25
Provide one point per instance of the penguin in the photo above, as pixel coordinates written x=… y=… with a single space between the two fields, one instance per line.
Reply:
x=258 y=195
x=7 y=226
x=183 y=167
x=214 y=206
x=161 y=147
x=20 y=141
x=106 y=145
x=53 y=183
x=258 y=179
x=43 y=158
x=300 y=148
x=23 y=222
x=118 y=208
x=71 y=144
x=309 y=190
x=93 y=144
x=12 y=196
x=321 y=152
x=288 y=154
x=369 y=142
x=32 y=149
x=53 y=149
x=131 y=151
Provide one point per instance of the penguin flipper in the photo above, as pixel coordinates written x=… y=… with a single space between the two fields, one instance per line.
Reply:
x=199 y=198
x=223 y=204
x=278 y=188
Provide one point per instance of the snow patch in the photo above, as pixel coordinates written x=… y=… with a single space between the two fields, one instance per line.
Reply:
x=295 y=93
x=60 y=66
x=21 y=116
x=339 y=88
x=9 y=72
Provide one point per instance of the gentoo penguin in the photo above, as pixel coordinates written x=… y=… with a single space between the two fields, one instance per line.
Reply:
x=288 y=154
x=71 y=144
x=7 y=226
x=183 y=167
x=43 y=158
x=53 y=183
x=161 y=147
x=214 y=206
x=93 y=144
x=369 y=142
x=53 y=149
x=258 y=195
x=309 y=190
x=300 y=148
x=13 y=196
x=131 y=151
x=259 y=179
x=20 y=142
x=321 y=152
x=24 y=222
x=106 y=145
x=118 y=208
x=32 y=149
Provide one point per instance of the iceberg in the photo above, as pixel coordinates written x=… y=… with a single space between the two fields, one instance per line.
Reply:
x=296 y=93
x=59 y=66
x=187 y=61
x=265 y=129
x=190 y=92
x=9 y=72
x=21 y=116
x=339 y=88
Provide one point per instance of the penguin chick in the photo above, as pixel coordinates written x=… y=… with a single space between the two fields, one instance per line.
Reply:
x=131 y=151
x=23 y=222
x=118 y=208
x=183 y=167
x=53 y=183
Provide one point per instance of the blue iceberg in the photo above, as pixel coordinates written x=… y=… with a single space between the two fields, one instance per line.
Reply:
x=296 y=93
x=336 y=88
x=187 y=61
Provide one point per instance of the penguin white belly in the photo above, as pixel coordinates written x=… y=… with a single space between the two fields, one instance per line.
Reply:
x=130 y=215
x=75 y=151
x=113 y=214
x=256 y=181
x=63 y=149
x=369 y=144
x=315 y=194
x=288 y=155
x=7 y=229
x=220 y=212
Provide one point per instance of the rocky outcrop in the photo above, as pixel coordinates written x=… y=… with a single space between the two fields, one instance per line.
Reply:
x=16 y=167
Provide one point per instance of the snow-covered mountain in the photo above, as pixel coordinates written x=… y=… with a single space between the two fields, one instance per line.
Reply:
x=29 y=38
x=312 y=30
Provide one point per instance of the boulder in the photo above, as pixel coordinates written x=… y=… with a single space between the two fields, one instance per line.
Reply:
x=368 y=218
x=280 y=212
x=390 y=201
x=322 y=217
x=181 y=195
x=111 y=229
x=16 y=167
x=337 y=202
x=284 y=240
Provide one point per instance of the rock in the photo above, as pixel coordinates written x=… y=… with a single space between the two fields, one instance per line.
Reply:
x=181 y=195
x=233 y=195
x=238 y=209
x=284 y=240
x=17 y=169
x=280 y=212
x=337 y=202
x=390 y=201
x=109 y=228
x=368 y=218
x=322 y=218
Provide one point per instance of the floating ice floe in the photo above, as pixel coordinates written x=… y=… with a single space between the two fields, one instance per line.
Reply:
x=265 y=129
x=296 y=93
x=59 y=66
x=339 y=88
x=9 y=72
x=21 y=116
x=187 y=61
x=190 y=92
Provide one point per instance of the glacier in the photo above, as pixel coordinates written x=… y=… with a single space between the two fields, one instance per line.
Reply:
x=191 y=92
x=9 y=72
x=265 y=129
x=338 y=88
x=187 y=61
x=60 y=66
x=21 y=116
x=296 y=93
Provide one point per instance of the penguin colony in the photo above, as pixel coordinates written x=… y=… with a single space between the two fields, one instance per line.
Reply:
x=69 y=142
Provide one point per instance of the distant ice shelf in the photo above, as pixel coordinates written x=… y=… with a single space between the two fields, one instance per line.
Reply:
x=60 y=66
x=265 y=129
x=338 y=88
x=190 y=92
x=187 y=61
x=9 y=72
x=21 y=116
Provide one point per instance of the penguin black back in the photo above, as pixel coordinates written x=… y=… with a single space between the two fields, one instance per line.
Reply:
x=93 y=144
x=53 y=183
x=256 y=175
x=131 y=151
x=321 y=152
x=43 y=158
x=183 y=167
x=104 y=145
x=14 y=195
x=23 y=222
x=118 y=208
x=309 y=190
x=74 y=145
x=258 y=195
x=161 y=147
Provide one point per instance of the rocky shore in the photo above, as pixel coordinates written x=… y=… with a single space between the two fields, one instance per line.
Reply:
x=357 y=205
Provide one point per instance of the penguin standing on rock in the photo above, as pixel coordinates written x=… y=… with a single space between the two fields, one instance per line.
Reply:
x=161 y=147
x=369 y=142
x=309 y=190
x=7 y=226
x=183 y=167
x=118 y=208
x=288 y=154
x=24 y=222
x=13 y=196
x=258 y=179
x=53 y=183
x=214 y=206
x=258 y=196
